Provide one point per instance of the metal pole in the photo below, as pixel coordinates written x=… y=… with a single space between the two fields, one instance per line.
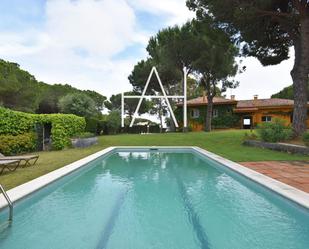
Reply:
x=166 y=99
x=122 y=110
x=9 y=202
x=142 y=97
x=185 y=120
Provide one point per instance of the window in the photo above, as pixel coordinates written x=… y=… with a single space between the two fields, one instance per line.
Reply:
x=266 y=119
x=195 y=113
x=215 y=113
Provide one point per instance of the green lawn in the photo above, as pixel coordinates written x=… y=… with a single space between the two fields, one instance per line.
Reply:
x=225 y=143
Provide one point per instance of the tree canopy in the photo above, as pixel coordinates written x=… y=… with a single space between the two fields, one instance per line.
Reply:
x=79 y=104
x=19 y=90
x=204 y=49
x=267 y=29
x=215 y=63
x=114 y=104
x=287 y=93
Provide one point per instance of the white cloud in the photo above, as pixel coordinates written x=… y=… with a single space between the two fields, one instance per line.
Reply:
x=175 y=10
x=79 y=39
x=263 y=81
x=19 y=44
x=99 y=27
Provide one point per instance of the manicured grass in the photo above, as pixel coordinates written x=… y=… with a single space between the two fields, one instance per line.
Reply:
x=225 y=143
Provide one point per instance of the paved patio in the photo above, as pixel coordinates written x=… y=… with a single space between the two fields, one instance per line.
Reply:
x=295 y=173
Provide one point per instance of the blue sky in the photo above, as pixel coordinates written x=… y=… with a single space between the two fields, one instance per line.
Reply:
x=94 y=44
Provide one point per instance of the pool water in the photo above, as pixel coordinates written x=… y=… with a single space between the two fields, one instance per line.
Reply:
x=149 y=199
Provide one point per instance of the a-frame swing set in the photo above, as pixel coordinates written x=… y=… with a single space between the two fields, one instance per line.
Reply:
x=164 y=96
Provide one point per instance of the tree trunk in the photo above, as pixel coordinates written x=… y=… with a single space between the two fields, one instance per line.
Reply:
x=300 y=78
x=209 y=113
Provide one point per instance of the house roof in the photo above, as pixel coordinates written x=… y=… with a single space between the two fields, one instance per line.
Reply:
x=203 y=101
x=264 y=103
x=243 y=105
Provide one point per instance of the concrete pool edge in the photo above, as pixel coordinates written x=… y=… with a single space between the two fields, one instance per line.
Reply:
x=295 y=195
x=36 y=184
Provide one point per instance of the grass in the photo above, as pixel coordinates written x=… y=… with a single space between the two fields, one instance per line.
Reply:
x=224 y=143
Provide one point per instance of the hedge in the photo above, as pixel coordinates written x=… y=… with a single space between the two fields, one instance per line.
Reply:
x=64 y=126
x=15 y=123
x=11 y=145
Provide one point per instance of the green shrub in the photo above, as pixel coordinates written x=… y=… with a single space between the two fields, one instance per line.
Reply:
x=11 y=145
x=14 y=122
x=64 y=126
x=275 y=131
x=225 y=121
x=112 y=123
x=250 y=136
x=94 y=125
x=306 y=138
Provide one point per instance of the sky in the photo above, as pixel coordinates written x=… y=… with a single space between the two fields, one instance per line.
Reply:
x=94 y=44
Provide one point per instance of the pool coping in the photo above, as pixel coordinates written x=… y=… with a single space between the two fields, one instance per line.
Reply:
x=297 y=196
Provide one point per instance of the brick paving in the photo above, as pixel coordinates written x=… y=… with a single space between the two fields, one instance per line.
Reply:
x=294 y=173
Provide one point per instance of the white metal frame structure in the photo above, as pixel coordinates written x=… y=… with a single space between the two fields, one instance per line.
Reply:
x=164 y=96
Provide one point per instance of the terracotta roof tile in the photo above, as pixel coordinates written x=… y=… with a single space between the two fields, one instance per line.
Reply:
x=264 y=103
x=203 y=101
x=242 y=104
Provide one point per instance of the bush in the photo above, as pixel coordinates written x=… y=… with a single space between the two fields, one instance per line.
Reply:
x=226 y=121
x=306 y=138
x=275 y=131
x=112 y=123
x=250 y=136
x=94 y=125
x=78 y=103
x=15 y=123
x=64 y=126
x=11 y=145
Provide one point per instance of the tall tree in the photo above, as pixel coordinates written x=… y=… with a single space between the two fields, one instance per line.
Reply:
x=170 y=51
x=79 y=104
x=170 y=78
x=215 y=64
x=19 y=90
x=268 y=28
x=288 y=93
x=172 y=48
x=114 y=104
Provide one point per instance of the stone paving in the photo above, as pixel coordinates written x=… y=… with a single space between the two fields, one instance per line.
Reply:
x=294 y=173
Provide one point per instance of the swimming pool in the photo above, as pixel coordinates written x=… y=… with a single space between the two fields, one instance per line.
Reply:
x=148 y=198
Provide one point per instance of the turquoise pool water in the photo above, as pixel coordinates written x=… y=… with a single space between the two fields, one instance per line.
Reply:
x=149 y=199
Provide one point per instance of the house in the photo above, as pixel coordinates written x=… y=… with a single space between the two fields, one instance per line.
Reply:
x=244 y=114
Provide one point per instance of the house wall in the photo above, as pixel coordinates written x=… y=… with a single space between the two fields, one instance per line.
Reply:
x=198 y=124
x=224 y=111
x=281 y=113
x=284 y=114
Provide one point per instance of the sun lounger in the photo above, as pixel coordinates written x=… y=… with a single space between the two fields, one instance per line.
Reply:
x=10 y=165
x=26 y=158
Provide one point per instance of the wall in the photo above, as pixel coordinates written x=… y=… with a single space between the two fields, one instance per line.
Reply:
x=225 y=119
x=283 y=113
